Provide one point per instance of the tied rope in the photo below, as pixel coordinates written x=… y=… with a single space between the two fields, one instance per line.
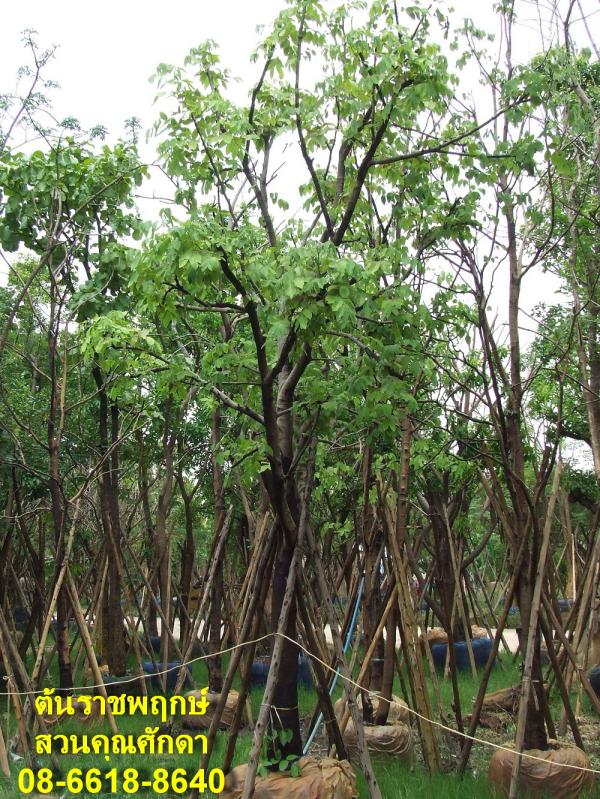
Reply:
x=349 y=680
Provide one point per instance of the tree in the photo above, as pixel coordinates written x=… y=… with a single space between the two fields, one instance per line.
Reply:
x=343 y=278
x=69 y=206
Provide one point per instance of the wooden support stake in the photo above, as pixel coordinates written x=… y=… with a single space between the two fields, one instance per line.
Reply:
x=533 y=632
x=564 y=694
x=57 y=586
x=345 y=672
x=466 y=751
x=4 y=765
x=265 y=708
x=395 y=523
x=10 y=652
x=89 y=648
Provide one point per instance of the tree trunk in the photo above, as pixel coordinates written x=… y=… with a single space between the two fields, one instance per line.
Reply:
x=215 y=676
x=284 y=713
x=57 y=498
x=113 y=629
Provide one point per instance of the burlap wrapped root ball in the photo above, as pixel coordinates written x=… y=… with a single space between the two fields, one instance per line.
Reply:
x=505 y=700
x=398 y=708
x=320 y=779
x=391 y=740
x=203 y=722
x=437 y=635
x=79 y=715
x=546 y=776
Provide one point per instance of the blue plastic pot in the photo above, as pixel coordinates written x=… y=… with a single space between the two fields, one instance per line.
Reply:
x=594 y=678
x=259 y=671
x=565 y=605
x=304 y=675
x=155 y=643
x=173 y=671
x=21 y=617
x=482 y=648
x=481 y=652
x=116 y=686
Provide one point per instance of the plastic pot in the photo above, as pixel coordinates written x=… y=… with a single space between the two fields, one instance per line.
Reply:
x=259 y=671
x=594 y=678
x=481 y=651
x=116 y=686
x=172 y=674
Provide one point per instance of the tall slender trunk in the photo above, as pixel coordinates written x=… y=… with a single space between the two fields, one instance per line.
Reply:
x=285 y=714
x=161 y=537
x=284 y=497
x=443 y=577
x=372 y=539
x=113 y=630
x=215 y=677
x=188 y=554
x=57 y=498
x=144 y=488
x=523 y=526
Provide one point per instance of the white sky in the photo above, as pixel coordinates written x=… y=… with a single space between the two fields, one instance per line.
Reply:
x=106 y=56
x=108 y=51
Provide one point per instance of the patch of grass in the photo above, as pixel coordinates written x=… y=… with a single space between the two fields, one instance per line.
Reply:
x=395 y=779
x=398 y=782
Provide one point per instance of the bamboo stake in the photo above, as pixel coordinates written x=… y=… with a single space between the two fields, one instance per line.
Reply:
x=12 y=655
x=464 y=756
x=89 y=648
x=432 y=673
x=587 y=640
x=91 y=611
x=245 y=670
x=532 y=633
x=588 y=592
x=141 y=620
x=325 y=596
x=369 y=653
x=564 y=694
x=459 y=595
x=332 y=660
x=10 y=651
x=396 y=528
x=259 y=592
x=488 y=602
x=16 y=703
x=13 y=692
x=251 y=571
x=265 y=708
x=320 y=680
x=4 y=765
x=571 y=654
x=57 y=586
x=154 y=600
